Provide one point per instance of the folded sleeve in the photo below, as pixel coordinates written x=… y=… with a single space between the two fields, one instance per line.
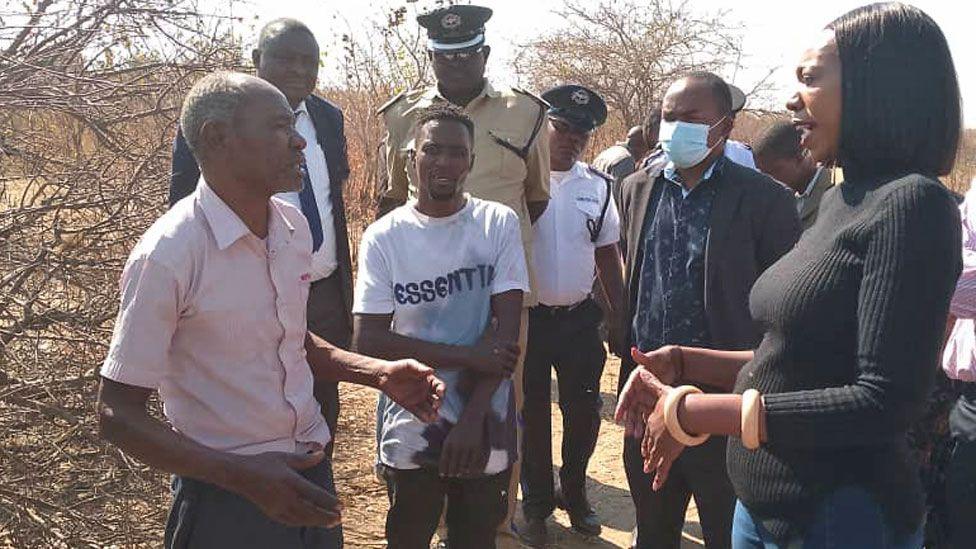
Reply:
x=510 y=269
x=139 y=352
x=375 y=291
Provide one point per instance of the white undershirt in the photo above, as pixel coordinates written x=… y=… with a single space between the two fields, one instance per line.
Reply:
x=324 y=261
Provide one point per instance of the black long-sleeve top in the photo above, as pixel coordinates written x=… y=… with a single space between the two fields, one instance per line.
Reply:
x=854 y=317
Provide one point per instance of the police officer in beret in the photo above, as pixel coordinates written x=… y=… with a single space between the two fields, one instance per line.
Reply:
x=511 y=153
x=573 y=241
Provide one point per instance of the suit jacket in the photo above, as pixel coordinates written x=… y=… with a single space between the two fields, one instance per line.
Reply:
x=808 y=214
x=329 y=130
x=753 y=222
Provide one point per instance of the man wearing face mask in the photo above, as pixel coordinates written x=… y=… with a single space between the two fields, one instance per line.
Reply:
x=736 y=151
x=575 y=240
x=697 y=231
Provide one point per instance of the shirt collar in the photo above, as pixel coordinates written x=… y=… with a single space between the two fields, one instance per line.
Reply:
x=811 y=184
x=671 y=172
x=433 y=94
x=578 y=169
x=226 y=226
x=301 y=108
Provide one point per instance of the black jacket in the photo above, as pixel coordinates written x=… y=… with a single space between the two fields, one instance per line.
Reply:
x=752 y=223
x=329 y=129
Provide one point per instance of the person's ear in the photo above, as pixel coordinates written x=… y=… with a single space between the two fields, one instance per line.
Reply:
x=214 y=135
x=256 y=58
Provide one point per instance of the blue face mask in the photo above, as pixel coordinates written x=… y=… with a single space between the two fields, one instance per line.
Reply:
x=685 y=143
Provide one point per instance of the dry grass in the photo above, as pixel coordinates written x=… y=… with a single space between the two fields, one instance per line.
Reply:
x=84 y=165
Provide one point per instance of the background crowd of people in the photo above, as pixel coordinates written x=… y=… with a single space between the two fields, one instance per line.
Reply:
x=780 y=331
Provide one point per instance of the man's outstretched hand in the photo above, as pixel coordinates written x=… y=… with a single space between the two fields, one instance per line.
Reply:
x=413 y=386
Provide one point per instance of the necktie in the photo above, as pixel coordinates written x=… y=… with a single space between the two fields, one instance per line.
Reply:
x=311 y=210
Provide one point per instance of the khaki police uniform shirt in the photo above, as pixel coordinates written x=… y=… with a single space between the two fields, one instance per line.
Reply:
x=498 y=174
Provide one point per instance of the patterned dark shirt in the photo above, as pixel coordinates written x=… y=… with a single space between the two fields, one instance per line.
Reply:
x=671 y=292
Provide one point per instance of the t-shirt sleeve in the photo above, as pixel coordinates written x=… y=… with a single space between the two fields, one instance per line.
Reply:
x=139 y=352
x=610 y=232
x=510 y=269
x=374 y=282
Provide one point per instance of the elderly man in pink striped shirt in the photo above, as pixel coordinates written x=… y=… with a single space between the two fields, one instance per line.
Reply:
x=959 y=363
x=213 y=318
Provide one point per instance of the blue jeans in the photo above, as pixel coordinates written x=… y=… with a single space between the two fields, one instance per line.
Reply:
x=204 y=516
x=849 y=517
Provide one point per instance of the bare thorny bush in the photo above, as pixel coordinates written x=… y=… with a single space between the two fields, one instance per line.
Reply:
x=89 y=93
x=89 y=96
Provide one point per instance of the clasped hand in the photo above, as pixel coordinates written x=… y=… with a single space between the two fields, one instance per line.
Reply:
x=640 y=409
x=493 y=356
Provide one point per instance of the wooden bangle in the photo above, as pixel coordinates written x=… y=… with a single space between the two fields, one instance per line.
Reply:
x=671 y=403
x=749 y=423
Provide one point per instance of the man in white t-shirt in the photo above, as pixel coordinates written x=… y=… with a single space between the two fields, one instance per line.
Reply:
x=441 y=279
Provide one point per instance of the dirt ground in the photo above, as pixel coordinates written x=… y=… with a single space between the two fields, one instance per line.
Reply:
x=365 y=497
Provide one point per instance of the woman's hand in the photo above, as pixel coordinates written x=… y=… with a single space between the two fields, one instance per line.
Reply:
x=636 y=401
x=666 y=363
x=658 y=447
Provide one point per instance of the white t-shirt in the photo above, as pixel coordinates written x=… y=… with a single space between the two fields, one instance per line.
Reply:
x=437 y=276
x=563 y=250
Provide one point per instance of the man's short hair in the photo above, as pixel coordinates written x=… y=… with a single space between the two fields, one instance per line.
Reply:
x=274 y=29
x=444 y=111
x=781 y=140
x=717 y=86
x=214 y=97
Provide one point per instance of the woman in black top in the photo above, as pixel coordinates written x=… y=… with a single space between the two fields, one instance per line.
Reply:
x=853 y=315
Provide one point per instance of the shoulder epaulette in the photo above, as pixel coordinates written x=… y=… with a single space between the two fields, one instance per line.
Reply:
x=396 y=99
x=542 y=102
x=599 y=173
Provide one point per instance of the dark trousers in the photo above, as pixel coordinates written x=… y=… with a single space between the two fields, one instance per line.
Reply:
x=475 y=508
x=961 y=494
x=204 y=516
x=569 y=341
x=328 y=319
x=698 y=471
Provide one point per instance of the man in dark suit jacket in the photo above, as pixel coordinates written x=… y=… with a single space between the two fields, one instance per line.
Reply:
x=697 y=230
x=287 y=56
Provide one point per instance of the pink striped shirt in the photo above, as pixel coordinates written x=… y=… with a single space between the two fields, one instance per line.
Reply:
x=959 y=356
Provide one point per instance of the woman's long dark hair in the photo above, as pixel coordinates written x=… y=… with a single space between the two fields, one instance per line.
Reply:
x=901 y=109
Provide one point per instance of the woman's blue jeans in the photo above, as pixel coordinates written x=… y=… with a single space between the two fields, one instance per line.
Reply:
x=849 y=517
